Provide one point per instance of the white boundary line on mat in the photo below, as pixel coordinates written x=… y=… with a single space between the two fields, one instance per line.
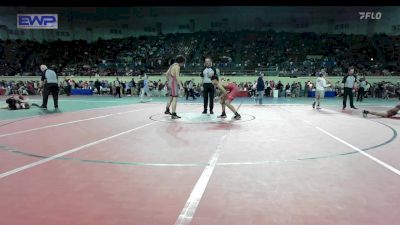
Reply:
x=66 y=123
x=37 y=163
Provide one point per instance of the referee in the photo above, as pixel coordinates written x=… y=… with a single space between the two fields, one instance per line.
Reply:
x=349 y=80
x=208 y=87
x=50 y=80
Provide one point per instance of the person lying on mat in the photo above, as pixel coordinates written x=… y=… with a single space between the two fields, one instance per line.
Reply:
x=391 y=112
x=16 y=102
x=226 y=96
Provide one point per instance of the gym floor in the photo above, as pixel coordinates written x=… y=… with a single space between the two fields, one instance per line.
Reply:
x=108 y=161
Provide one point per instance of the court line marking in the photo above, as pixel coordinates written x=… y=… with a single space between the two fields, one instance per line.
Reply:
x=81 y=110
x=70 y=122
x=188 y=211
x=380 y=162
x=394 y=136
x=28 y=166
x=203 y=164
x=160 y=117
x=108 y=101
x=54 y=125
x=186 y=215
x=76 y=100
x=37 y=163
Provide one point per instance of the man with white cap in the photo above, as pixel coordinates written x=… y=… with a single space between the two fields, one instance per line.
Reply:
x=50 y=81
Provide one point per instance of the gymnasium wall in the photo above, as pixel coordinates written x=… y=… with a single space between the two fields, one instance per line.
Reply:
x=93 y=23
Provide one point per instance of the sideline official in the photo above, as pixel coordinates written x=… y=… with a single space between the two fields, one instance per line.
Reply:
x=349 y=81
x=208 y=87
x=50 y=85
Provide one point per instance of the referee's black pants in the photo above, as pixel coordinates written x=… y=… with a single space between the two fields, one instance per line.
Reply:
x=348 y=92
x=117 y=92
x=208 y=91
x=51 y=88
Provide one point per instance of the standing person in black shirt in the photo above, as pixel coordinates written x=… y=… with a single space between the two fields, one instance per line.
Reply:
x=117 y=85
x=260 y=88
x=68 y=86
x=97 y=84
x=279 y=86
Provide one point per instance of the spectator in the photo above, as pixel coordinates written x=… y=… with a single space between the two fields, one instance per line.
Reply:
x=260 y=88
x=97 y=84
x=117 y=85
x=361 y=90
